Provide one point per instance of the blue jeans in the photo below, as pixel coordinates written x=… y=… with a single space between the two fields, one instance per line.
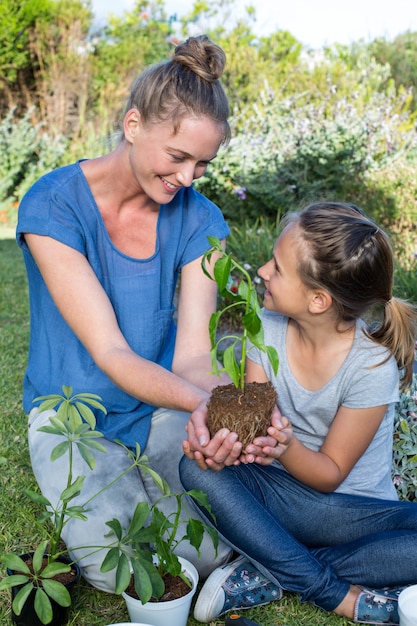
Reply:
x=311 y=543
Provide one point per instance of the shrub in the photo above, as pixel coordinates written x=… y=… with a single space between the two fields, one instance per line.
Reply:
x=405 y=444
x=26 y=152
x=292 y=152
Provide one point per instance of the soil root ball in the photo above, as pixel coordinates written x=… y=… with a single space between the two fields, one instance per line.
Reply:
x=246 y=413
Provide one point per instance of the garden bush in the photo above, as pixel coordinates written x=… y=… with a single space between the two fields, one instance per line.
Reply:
x=293 y=151
x=26 y=152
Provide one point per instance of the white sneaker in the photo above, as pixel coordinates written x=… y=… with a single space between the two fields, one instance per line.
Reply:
x=236 y=585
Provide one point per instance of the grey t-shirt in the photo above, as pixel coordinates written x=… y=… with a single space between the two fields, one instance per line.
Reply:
x=357 y=384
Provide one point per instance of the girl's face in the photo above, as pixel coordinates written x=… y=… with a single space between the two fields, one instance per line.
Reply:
x=163 y=162
x=285 y=292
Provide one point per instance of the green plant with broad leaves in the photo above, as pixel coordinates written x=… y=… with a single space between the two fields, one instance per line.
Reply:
x=243 y=297
x=74 y=422
x=146 y=548
x=148 y=543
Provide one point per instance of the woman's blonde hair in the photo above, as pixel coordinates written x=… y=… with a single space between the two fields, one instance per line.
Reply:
x=187 y=85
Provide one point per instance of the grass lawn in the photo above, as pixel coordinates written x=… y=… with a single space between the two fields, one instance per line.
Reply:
x=18 y=530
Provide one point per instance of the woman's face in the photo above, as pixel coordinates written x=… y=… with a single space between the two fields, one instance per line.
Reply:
x=163 y=162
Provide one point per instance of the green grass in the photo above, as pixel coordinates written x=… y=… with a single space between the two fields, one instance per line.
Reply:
x=18 y=530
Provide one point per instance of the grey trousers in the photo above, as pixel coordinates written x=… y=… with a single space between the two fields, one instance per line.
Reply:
x=164 y=451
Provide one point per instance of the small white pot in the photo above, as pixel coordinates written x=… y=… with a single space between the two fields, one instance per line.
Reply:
x=173 y=612
x=407 y=606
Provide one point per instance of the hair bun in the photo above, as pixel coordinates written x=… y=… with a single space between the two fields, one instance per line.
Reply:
x=201 y=56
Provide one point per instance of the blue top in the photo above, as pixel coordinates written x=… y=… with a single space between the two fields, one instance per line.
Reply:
x=60 y=205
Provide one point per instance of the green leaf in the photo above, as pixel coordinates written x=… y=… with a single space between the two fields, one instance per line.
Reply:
x=158 y=480
x=87 y=414
x=93 y=400
x=214 y=536
x=43 y=606
x=74 y=417
x=57 y=591
x=60 y=450
x=73 y=490
x=143 y=582
x=157 y=584
x=67 y=390
x=38 y=498
x=231 y=365
x=77 y=512
x=49 y=402
x=273 y=358
x=195 y=533
x=63 y=411
x=87 y=455
x=252 y=323
x=116 y=528
x=243 y=290
x=38 y=556
x=122 y=574
x=215 y=243
x=221 y=271
x=13 y=580
x=213 y=324
x=202 y=500
x=54 y=568
x=15 y=563
x=21 y=597
x=139 y=517
x=111 y=560
x=214 y=363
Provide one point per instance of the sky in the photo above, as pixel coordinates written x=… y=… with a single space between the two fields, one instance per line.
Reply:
x=314 y=23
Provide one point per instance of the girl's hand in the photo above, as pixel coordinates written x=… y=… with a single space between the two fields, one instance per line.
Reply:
x=264 y=450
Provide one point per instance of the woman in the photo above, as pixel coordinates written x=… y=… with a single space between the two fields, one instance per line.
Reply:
x=317 y=513
x=105 y=241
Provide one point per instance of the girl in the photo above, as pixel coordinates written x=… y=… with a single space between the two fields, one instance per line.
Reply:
x=316 y=513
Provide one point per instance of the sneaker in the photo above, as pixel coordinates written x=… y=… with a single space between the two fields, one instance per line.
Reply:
x=377 y=608
x=389 y=592
x=236 y=585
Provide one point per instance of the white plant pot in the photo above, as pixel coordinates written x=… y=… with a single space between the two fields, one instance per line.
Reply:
x=407 y=606
x=171 y=613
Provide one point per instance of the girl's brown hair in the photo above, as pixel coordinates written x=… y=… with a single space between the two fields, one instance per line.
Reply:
x=188 y=84
x=347 y=254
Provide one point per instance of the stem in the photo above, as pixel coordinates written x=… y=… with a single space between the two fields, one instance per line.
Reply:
x=61 y=517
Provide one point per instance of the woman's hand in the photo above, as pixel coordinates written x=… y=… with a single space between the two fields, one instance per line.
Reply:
x=210 y=453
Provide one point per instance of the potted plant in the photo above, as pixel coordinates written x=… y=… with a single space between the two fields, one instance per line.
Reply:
x=244 y=408
x=39 y=581
x=157 y=585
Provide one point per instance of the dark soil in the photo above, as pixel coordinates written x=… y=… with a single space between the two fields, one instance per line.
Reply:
x=248 y=414
x=175 y=588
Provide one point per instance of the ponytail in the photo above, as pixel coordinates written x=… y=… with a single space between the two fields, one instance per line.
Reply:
x=398 y=333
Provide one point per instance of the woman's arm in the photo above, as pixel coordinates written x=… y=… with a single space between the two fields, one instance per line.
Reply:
x=350 y=434
x=86 y=308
